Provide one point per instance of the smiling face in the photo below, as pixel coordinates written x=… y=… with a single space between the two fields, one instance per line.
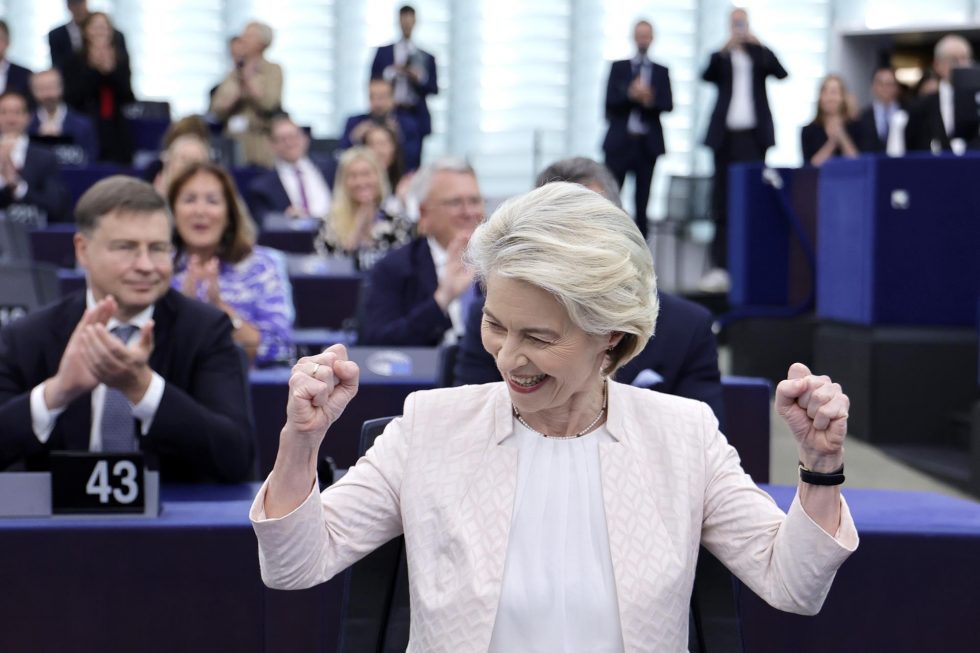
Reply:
x=550 y=365
x=832 y=97
x=379 y=141
x=14 y=117
x=361 y=182
x=201 y=214
x=128 y=256
x=452 y=207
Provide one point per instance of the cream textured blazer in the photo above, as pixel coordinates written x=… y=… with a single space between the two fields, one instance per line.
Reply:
x=439 y=474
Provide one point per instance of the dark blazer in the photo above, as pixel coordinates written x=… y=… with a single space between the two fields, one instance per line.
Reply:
x=926 y=125
x=719 y=73
x=200 y=430
x=399 y=308
x=60 y=43
x=869 y=140
x=266 y=194
x=683 y=352
x=44 y=188
x=814 y=136
x=410 y=138
x=19 y=79
x=385 y=56
x=83 y=91
x=619 y=106
x=78 y=128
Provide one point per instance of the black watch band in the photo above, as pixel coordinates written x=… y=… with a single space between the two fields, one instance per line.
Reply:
x=835 y=477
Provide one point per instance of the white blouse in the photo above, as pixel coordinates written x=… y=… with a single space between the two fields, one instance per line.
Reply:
x=558 y=593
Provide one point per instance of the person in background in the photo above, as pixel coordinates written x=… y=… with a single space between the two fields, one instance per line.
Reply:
x=127 y=364
x=416 y=295
x=193 y=125
x=412 y=73
x=741 y=127
x=218 y=262
x=875 y=121
x=681 y=358
x=30 y=179
x=932 y=122
x=299 y=185
x=382 y=111
x=56 y=119
x=637 y=93
x=12 y=77
x=358 y=224
x=66 y=40
x=383 y=143
x=182 y=152
x=250 y=95
x=97 y=83
x=927 y=85
x=834 y=130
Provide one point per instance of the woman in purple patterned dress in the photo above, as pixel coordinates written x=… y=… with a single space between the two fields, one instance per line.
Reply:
x=218 y=262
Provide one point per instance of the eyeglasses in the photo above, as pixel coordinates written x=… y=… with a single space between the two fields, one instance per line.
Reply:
x=456 y=203
x=131 y=251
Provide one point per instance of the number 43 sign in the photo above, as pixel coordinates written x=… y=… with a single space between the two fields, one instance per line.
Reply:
x=84 y=482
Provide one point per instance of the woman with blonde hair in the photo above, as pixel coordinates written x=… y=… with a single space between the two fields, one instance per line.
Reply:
x=835 y=129
x=358 y=224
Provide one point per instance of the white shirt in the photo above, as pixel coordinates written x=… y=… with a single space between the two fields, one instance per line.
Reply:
x=558 y=593
x=741 y=109
x=455 y=309
x=635 y=124
x=43 y=418
x=4 y=69
x=58 y=117
x=946 y=106
x=404 y=93
x=314 y=185
x=75 y=34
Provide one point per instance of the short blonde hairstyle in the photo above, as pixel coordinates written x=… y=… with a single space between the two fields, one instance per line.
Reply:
x=582 y=249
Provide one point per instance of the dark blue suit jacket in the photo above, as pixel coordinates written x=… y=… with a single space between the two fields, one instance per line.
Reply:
x=619 y=106
x=44 y=188
x=683 y=353
x=719 y=73
x=78 y=128
x=266 y=194
x=19 y=79
x=385 y=56
x=399 y=309
x=411 y=137
x=200 y=430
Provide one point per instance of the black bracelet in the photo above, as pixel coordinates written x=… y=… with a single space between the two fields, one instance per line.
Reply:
x=835 y=477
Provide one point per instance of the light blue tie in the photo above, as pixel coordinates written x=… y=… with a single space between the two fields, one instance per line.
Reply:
x=118 y=424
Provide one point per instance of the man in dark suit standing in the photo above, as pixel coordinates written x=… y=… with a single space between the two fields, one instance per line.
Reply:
x=932 y=122
x=128 y=364
x=12 y=77
x=298 y=185
x=637 y=93
x=741 y=127
x=875 y=120
x=681 y=358
x=55 y=118
x=417 y=294
x=412 y=72
x=30 y=185
x=66 y=39
x=382 y=111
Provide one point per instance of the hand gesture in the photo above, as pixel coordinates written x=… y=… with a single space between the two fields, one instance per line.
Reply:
x=116 y=364
x=75 y=376
x=320 y=388
x=834 y=126
x=456 y=277
x=815 y=408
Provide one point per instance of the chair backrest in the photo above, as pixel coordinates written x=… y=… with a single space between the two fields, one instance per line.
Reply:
x=15 y=241
x=447 y=365
x=24 y=288
x=376 y=615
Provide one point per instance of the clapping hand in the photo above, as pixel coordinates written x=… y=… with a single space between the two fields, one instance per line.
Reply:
x=815 y=408
x=457 y=277
x=203 y=273
x=320 y=388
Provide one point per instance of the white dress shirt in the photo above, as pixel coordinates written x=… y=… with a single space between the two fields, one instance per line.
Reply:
x=946 y=106
x=75 y=34
x=558 y=592
x=455 y=309
x=317 y=191
x=635 y=124
x=404 y=92
x=43 y=418
x=741 y=109
x=57 y=118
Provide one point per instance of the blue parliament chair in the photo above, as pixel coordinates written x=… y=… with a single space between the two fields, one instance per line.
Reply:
x=376 y=614
x=79 y=179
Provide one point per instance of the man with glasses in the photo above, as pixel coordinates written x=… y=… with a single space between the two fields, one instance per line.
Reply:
x=416 y=295
x=128 y=364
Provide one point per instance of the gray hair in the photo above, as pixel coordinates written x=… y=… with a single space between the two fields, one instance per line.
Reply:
x=951 y=42
x=265 y=32
x=116 y=193
x=582 y=170
x=590 y=255
x=422 y=181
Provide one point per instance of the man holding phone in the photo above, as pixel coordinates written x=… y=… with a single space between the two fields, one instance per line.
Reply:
x=741 y=127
